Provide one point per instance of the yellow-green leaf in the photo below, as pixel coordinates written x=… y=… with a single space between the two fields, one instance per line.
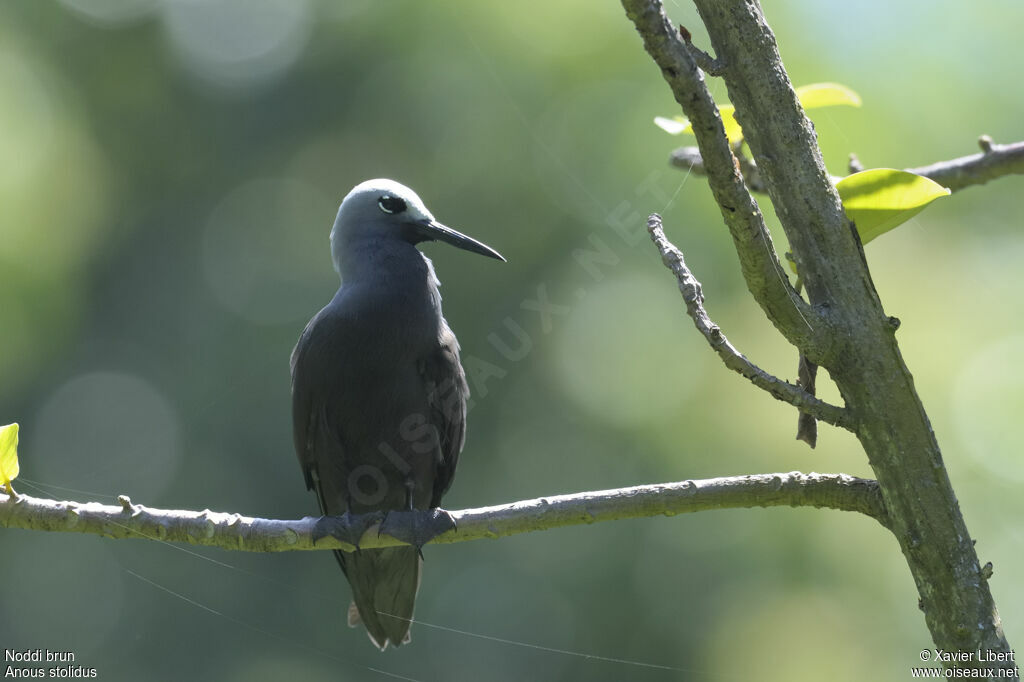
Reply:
x=811 y=97
x=879 y=199
x=680 y=124
x=674 y=125
x=731 y=125
x=826 y=95
x=792 y=263
x=8 y=453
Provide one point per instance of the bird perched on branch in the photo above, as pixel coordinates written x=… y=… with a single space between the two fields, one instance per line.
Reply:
x=379 y=398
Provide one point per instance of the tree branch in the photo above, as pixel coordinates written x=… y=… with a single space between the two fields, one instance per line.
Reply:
x=766 y=279
x=859 y=345
x=706 y=62
x=237 y=532
x=693 y=295
x=995 y=161
x=690 y=160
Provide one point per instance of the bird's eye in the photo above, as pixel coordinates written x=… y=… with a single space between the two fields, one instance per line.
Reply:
x=390 y=204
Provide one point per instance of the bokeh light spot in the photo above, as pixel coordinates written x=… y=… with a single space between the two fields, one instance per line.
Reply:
x=107 y=432
x=988 y=401
x=111 y=13
x=619 y=354
x=238 y=42
x=266 y=251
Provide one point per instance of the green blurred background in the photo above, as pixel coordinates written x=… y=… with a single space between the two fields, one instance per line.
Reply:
x=169 y=172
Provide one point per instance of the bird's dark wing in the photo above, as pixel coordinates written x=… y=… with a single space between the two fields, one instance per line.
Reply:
x=312 y=438
x=303 y=429
x=308 y=429
x=447 y=393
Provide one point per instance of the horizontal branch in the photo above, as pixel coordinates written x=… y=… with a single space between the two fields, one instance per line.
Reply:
x=693 y=296
x=237 y=532
x=994 y=161
x=690 y=160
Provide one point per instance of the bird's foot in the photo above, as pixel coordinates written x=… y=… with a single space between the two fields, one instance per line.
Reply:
x=348 y=528
x=417 y=527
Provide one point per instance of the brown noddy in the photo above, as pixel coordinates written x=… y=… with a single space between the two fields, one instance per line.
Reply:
x=379 y=398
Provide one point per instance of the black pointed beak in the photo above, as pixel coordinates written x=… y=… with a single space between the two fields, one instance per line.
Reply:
x=435 y=231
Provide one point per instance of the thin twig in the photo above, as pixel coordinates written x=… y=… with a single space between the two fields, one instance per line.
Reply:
x=689 y=158
x=237 y=532
x=995 y=161
x=854 y=165
x=807 y=425
x=706 y=62
x=690 y=288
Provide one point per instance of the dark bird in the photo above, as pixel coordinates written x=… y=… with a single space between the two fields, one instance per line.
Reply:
x=379 y=395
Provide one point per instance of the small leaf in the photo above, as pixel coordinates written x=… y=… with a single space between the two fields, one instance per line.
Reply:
x=792 y=263
x=810 y=96
x=826 y=95
x=673 y=126
x=879 y=199
x=680 y=124
x=8 y=454
x=731 y=125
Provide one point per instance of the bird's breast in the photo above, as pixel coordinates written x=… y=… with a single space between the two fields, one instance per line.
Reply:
x=372 y=342
x=398 y=319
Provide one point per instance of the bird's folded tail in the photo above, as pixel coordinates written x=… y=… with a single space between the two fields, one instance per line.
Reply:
x=384 y=585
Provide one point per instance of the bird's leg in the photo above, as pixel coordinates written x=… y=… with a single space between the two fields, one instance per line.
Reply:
x=348 y=527
x=416 y=527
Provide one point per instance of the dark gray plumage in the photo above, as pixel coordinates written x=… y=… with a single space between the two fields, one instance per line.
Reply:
x=378 y=392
